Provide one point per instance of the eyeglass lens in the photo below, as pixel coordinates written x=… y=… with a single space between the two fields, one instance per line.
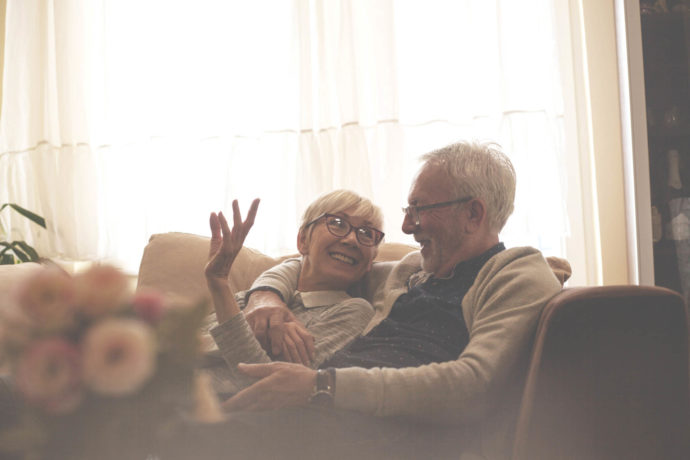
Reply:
x=413 y=213
x=340 y=227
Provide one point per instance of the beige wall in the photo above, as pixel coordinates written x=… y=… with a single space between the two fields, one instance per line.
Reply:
x=605 y=138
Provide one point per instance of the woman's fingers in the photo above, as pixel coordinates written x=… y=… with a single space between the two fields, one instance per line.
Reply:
x=224 y=225
x=289 y=350
x=216 y=239
x=223 y=250
x=252 y=212
x=240 y=228
x=236 y=216
x=298 y=343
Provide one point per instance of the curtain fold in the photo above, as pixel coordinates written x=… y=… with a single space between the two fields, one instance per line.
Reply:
x=125 y=118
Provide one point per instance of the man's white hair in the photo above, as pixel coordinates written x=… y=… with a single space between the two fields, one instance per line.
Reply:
x=481 y=170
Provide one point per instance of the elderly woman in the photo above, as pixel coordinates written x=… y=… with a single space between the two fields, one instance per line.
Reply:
x=338 y=240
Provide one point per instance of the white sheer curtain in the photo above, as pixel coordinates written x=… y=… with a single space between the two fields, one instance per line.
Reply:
x=125 y=118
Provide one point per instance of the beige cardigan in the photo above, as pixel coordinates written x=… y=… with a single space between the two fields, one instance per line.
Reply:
x=482 y=388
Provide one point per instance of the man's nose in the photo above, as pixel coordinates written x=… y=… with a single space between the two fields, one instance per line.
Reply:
x=408 y=224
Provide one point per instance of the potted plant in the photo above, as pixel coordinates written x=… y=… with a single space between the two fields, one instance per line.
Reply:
x=14 y=252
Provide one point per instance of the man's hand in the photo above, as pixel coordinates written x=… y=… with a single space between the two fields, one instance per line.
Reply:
x=277 y=329
x=280 y=385
x=281 y=334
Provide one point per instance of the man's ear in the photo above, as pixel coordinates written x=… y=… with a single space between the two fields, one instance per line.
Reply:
x=476 y=212
x=303 y=241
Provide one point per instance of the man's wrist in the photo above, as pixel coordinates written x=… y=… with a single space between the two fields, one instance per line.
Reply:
x=262 y=289
x=323 y=393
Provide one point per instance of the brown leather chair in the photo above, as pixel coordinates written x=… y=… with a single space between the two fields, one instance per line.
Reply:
x=608 y=377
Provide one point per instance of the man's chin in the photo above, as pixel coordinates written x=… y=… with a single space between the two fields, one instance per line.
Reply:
x=429 y=264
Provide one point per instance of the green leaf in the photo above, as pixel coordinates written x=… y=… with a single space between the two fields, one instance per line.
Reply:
x=19 y=253
x=29 y=215
x=7 y=259
x=7 y=247
x=31 y=252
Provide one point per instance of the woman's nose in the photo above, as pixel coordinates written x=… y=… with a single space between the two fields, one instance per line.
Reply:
x=351 y=238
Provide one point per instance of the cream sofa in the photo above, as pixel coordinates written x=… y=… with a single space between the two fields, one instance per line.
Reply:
x=173 y=263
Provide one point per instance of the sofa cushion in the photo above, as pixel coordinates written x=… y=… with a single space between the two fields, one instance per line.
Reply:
x=173 y=263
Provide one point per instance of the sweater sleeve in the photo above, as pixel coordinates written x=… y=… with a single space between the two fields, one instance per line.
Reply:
x=283 y=278
x=501 y=309
x=237 y=344
x=335 y=327
x=338 y=326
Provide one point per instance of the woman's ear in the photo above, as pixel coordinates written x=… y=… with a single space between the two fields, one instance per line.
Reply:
x=303 y=242
x=373 y=256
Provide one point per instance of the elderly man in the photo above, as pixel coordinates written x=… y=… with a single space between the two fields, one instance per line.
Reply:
x=439 y=371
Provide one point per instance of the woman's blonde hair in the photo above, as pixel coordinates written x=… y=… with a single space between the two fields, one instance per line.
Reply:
x=339 y=201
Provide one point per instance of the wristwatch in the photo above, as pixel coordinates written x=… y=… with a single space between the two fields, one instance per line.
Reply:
x=324 y=389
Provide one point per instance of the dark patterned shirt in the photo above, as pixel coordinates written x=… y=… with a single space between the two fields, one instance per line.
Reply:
x=424 y=326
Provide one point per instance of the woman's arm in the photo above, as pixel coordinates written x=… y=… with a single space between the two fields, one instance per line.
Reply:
x=267 y=313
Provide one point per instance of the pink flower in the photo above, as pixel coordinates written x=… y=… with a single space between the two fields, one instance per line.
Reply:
x=119 y=356
x=16 y=329
x=100 y=290
x=47 y=297
x=149 y=305
x=48 y=375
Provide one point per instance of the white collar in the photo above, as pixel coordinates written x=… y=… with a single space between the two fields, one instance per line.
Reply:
x=312 y=299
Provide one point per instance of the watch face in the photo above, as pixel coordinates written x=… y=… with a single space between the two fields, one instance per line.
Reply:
x=322 y=398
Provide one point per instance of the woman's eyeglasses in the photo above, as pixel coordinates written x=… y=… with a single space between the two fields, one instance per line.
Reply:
x=341 y=227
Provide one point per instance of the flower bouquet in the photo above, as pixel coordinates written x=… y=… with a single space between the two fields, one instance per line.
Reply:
x=95 y=371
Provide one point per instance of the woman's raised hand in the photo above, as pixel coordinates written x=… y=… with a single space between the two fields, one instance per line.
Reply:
x=224 y=249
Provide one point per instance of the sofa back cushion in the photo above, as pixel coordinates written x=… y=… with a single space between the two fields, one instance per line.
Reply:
x=173 y=263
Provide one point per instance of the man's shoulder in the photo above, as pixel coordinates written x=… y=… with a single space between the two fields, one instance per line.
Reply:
x=411 y=262
x=391 y=275
x=519 y=254
x=519 y=264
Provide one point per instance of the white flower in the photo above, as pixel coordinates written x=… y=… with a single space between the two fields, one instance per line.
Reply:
x=47 y=297
x=119 y=356
x=101 y=290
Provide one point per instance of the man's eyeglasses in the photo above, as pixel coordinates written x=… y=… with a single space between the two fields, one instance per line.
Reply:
x=340 y=227
x=413 y=211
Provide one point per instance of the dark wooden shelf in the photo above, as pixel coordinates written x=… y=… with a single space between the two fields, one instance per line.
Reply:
x=681 y=131
x=665 y=43
x=666 y=265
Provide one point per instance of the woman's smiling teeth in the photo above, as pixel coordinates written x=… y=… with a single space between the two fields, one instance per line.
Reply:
x=343 y=258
